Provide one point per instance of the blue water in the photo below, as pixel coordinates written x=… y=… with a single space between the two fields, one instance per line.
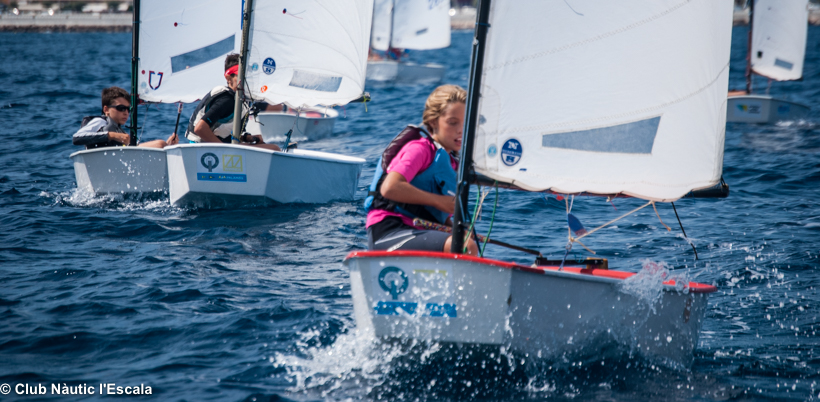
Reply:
x=253 y=304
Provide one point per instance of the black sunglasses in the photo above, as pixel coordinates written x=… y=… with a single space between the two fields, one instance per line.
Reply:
x=121 y=108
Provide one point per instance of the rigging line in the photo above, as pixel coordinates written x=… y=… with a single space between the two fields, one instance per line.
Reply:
x=668 y=229
x=492 y=219
x=583 y=245
x=479 y=200
x=614 y=220
x=684 y=232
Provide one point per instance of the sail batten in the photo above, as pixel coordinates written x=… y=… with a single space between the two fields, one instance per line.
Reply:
x=605 y=98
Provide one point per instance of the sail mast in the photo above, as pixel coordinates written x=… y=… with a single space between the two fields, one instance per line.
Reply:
x=749 y=51
x=243 y=54
x=135 y=52
x=465 y=173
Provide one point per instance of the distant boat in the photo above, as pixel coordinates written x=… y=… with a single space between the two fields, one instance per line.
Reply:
x=311 y=123
x=304 y=55
x=777 y=49
x=407 y=24
x=544 y=114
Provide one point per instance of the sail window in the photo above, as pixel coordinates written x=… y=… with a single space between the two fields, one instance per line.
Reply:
x=783 y=63
x=316 y=82
x=202 y=55
x=637 y=137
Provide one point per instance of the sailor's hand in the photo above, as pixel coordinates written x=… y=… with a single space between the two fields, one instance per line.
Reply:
x=172 y=140
x=447 y=203
x=253 y=139
x=122 y=138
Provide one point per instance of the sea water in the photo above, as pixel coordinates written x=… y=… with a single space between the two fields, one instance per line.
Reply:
x=253 y=303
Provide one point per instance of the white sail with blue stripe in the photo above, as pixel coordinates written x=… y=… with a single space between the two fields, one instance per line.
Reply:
x=605 y=97
x=779 y=38
x=411 y=24
x=183 y=45
x=308 y=52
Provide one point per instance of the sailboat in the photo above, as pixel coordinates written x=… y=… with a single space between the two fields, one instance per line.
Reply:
x=302 y=54
x=408 y=24
x=167 y=72
x=777 y=48
x=619 y=98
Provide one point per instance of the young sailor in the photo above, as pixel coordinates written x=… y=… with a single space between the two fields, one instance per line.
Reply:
x=212 y=120
x=419 y=179
x=106 y=130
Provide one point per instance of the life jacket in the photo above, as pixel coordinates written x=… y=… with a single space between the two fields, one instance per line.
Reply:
x=110 y=125
x=223 y=127
x=438 y=178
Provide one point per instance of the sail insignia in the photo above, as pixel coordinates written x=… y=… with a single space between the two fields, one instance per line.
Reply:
x=637 y=137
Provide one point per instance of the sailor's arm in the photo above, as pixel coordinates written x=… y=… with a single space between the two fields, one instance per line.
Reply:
x=203 y=130
x=396 y=188
x=90 y=135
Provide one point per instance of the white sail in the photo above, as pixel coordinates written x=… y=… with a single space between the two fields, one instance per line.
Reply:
x=309 y=52
x=421 y=24
x=779 y=33
x=182 y=47
x=382 y=24
x=605 y=97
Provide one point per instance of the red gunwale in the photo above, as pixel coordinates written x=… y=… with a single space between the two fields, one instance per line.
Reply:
x=694 y=287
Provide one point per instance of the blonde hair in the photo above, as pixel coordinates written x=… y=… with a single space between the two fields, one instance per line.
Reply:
x=438 y=101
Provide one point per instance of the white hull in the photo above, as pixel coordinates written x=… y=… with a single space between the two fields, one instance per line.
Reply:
x=763 y=109
x=311 y=124
x=537 y=311
x=223 y=175
x=391 y=71
x=121 y=170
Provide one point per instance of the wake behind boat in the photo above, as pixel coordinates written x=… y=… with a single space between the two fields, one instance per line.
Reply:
x=777 y=49
x=655 y=131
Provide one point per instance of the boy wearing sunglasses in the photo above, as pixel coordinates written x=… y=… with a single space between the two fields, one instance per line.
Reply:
x=106 y=130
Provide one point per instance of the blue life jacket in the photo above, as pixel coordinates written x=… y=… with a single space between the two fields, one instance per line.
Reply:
x=438 y=178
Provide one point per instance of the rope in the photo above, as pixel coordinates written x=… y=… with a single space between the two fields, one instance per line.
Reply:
x=479 y=200
x=613 y=221
x=684 y=232
x=668 y=229
x=490 y=230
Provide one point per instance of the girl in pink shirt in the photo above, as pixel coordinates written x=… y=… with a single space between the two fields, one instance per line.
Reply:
x=391 y=228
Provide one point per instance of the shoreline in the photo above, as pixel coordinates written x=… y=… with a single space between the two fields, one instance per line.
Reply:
x=121 y=22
